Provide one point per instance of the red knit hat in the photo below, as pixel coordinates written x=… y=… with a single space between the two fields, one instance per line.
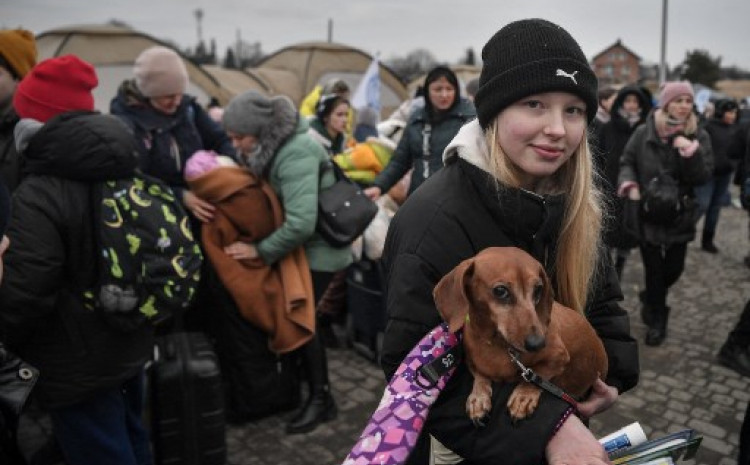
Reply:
x=56 y=85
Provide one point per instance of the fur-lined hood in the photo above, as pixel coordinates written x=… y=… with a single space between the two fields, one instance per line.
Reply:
x=282 y=126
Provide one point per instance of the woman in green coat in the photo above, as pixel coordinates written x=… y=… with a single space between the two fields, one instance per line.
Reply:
x=272 y=142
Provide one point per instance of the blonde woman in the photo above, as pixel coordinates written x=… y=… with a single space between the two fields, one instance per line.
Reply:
x=520 y=175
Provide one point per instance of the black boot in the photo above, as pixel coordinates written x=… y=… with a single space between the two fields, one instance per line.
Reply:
x=646 y=313
x=657 y=330
x=707 y=242
x=320 y=406
x=735 y=356
x=620 y=266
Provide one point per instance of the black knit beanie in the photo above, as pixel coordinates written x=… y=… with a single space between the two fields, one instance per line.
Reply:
x=528 y=57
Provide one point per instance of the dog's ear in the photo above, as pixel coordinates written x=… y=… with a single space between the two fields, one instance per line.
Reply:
x=544 y=307
x=451 y=297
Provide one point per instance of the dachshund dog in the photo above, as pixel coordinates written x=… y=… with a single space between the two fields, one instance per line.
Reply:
x=503 y=299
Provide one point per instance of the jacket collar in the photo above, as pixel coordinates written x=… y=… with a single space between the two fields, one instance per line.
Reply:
x=530 y=220
x=130 y=100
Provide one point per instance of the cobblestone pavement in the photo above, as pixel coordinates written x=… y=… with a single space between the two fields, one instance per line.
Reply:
x=681 y=385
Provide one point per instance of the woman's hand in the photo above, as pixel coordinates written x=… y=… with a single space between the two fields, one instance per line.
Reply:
x=601 y=398
x=373 y=192
x=681 y=142
x=573 y=444
x=241 y=251
x=201 y=209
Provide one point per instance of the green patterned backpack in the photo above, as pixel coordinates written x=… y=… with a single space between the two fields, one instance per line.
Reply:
x=149 y=262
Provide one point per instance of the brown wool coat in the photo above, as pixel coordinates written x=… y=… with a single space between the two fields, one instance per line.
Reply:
x=279 y=298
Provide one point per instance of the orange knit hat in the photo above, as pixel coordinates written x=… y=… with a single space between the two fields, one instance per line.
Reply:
x=18 y=49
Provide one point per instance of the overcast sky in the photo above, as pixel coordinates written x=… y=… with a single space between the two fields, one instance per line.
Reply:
x=396 y=27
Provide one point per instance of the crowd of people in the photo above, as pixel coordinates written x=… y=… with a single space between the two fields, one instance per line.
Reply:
x=535 y=156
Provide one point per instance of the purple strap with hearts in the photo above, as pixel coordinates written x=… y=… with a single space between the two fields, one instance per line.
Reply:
x=394 y=427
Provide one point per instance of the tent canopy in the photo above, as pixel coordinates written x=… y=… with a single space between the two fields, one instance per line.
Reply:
x=113 y=50
x=315 y=63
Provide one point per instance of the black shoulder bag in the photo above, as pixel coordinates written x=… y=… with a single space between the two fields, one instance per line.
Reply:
x=17 y=379
x=344 y=211
x=662 y=200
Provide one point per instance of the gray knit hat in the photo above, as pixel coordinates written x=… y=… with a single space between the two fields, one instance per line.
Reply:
x=251 y=112
x=532 y=56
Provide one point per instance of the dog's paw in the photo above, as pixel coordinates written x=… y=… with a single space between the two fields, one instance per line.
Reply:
x=479 y=403
x=523 y=401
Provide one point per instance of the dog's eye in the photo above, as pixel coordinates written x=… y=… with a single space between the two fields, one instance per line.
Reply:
x=501 y=292
x=537 y=294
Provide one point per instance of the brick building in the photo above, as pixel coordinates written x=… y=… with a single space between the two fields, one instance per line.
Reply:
x=617 y=65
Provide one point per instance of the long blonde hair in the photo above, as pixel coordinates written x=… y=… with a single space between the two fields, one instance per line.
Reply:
x=579 y=242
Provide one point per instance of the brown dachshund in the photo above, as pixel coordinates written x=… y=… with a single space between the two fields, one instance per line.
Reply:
x=503 y=299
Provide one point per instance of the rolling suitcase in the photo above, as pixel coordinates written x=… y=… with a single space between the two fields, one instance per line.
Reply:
x=187 y=406
x=366 y=308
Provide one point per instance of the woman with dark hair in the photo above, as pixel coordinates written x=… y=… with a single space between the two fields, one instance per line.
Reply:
x=329 y=124
x=427 y=133
x=628 y=111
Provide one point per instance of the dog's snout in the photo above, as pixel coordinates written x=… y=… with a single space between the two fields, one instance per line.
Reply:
x=534 y=342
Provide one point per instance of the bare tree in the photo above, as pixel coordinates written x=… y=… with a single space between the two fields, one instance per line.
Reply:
x=413 y=65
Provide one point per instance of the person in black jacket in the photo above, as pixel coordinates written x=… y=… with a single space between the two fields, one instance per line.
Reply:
x=714 y=194
x=520 y=175
x=169 y=125
x=91 y=378
x=628 y=111
x=670 y=141
x=427 y=132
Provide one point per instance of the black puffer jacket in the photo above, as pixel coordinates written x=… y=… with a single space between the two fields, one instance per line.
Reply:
x=52 y=258
x=165 y=142
x=10 y=161
x=646 y=155
x=410 y=154
x=721 y=135
x=454 y=215
x=610 y=140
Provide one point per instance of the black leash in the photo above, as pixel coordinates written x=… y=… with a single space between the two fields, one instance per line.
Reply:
x=530 y=376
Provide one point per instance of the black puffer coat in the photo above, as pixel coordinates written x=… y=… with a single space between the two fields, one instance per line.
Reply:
x=10 y=161
x=721 y=136
x=165 y=142
x=52 y=258
x=454 y=215
x=611 y=138
x=645 y=156
x=410 y=154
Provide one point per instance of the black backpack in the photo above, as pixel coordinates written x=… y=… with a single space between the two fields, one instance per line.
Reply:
x=149 y=262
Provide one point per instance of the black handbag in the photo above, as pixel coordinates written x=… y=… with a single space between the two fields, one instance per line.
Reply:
x=630 y=224
x=662 y=200
x=344 y=211
x=17 y=379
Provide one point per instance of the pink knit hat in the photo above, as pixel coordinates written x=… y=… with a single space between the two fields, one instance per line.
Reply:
x=160 y=71
x=673 y=89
